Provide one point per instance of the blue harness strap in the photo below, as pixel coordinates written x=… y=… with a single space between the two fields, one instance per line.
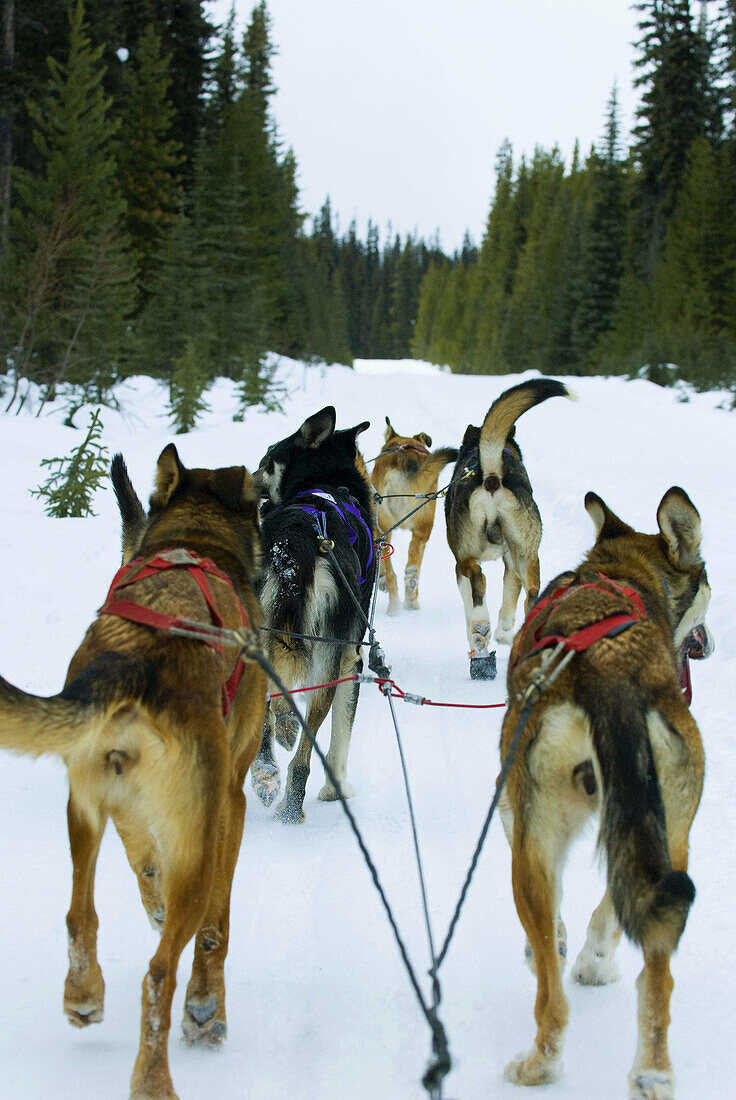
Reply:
x=349 y=507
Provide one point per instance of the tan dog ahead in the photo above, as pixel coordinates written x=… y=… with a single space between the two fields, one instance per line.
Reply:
x=141 y=729
x=404 y=468
x=614 y=732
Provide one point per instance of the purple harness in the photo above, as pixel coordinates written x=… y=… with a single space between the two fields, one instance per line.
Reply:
x=352 y=534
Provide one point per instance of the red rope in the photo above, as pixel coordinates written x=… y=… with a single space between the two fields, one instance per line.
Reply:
x=396 y=693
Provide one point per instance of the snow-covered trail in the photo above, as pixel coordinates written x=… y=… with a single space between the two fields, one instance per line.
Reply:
x=319 y=1006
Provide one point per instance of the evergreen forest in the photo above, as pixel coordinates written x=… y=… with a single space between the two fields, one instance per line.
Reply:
x=150 y=220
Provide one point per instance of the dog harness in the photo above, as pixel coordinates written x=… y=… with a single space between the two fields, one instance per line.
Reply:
x=198 y=569
x=588 y=635
x=404 y=447
x=348 y=507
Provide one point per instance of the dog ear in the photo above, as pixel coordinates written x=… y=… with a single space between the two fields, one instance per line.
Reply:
x=424 y=438
x=229 y=486
x=390 y=431
x=679 y=525
x=318 y=427
x=169 y=476
x=607 y=523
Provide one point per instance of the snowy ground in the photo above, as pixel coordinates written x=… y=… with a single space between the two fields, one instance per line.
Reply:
x=319 y=1005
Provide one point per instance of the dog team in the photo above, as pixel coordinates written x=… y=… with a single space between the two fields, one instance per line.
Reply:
x=160 y=719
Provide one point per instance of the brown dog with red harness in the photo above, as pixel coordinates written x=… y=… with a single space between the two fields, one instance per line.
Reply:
x=611 y=730
x=141 y=727
x=404 y=477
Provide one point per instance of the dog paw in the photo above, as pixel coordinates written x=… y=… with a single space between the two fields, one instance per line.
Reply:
x=651 y=1084
x=289 y=813
x=84 y=1013
x=532 y=1069
x=595 y=967
x=84 y=1001
x=266 y=782
x=394 y=607
x=329 y=794
x=504 y=634
x=286 y=730
x=204 y=1023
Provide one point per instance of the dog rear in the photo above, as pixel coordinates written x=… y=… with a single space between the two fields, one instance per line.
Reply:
x=491 y=513
x=318 y=573
x=405 y=471
x=613 y=731
x=140 y=726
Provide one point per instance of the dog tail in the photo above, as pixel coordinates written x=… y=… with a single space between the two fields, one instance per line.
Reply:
x=503 y=414
x=651 y=900
x=35 y=724
x=132 y=512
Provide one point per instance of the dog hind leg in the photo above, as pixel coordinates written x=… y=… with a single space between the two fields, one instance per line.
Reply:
x=205 y=1020
x=417 y=546
x=390 y=583
x=188 y=858
x=84 y=989
x=472 y=585
x=343 y=716
x=595 y=965
x=291 y=807
x=535 y=896
x=264 y=771
x=504 y=632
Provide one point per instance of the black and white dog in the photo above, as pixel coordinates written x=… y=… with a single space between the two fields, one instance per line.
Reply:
x=317 y=516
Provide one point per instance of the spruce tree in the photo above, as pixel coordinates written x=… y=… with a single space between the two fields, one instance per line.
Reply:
x=188 y=383
x=73 y=481
x=603 y=235
x=70 y=281
x=148 y=156
x=673 y=65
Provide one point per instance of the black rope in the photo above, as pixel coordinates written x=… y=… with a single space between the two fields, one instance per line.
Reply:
x=524 y=717
x=309 y=637
x=434 y=1075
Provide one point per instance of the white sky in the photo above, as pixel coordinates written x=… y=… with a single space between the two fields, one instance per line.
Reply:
x=396 y=108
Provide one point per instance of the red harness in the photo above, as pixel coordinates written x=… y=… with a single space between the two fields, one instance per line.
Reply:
x=587 y=635
x=198 y=568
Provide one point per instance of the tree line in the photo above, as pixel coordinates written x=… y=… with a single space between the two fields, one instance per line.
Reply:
x=625 y=262
x=150 y=218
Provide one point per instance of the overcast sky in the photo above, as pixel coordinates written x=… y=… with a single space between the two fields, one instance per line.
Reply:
x=396 y=108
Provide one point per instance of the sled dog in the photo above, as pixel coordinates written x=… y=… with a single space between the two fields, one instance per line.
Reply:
x=317 y=511
x=612 y=732
x=406 y=467
x=490 y=514
x=140 y=725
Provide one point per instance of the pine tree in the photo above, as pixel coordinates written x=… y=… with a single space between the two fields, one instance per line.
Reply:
x=149 y=158
x=674 y=110
x=68 y=491
x=603 y=234
x=188 y=383
x=70 y=281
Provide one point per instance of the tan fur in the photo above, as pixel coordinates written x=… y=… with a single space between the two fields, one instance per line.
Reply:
x=404 y=468
x=145 y=743
x=616 y=704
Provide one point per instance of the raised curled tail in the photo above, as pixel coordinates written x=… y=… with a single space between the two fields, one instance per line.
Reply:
x=440 y=458
x=503 y=414
x=651 y=900
x=132 y=512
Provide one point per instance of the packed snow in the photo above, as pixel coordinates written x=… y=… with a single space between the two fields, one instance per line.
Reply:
x=319 y=1005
